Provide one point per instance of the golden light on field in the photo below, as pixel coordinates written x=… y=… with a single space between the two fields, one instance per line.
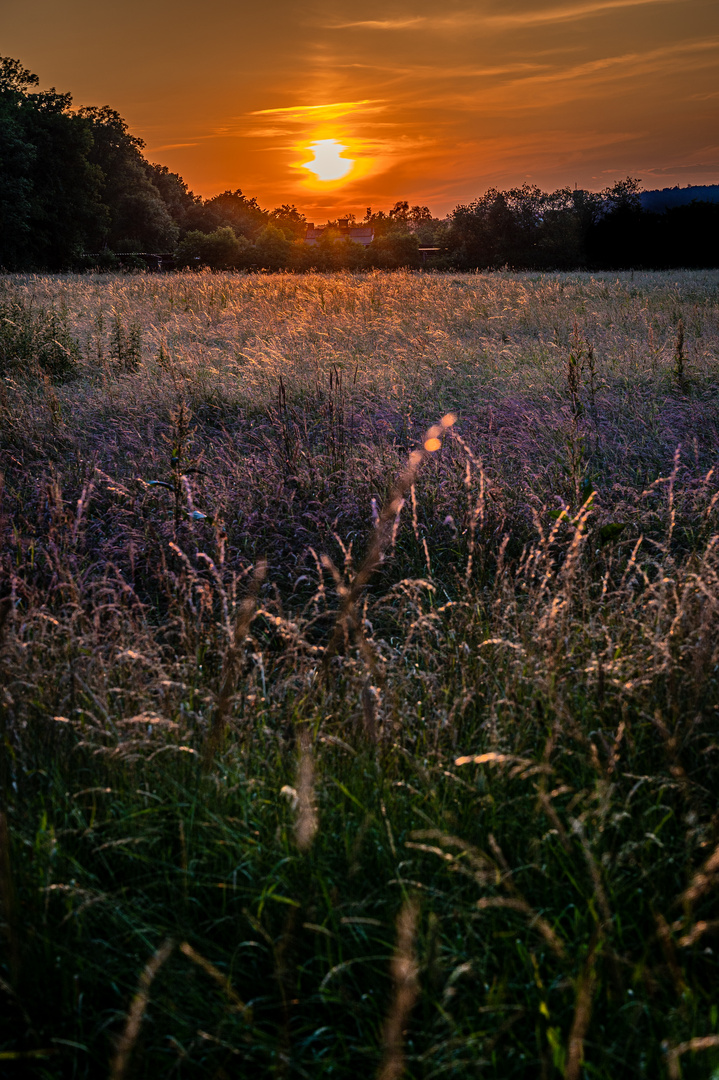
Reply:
x=327 y=163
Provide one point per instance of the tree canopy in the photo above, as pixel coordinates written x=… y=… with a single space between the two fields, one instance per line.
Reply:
x=76 y=190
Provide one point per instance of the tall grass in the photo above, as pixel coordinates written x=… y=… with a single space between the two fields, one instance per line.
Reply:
x=338 y=739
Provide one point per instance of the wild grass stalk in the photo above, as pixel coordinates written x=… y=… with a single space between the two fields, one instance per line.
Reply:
x=136 y=1012
x=405 y=731
x=405 y=979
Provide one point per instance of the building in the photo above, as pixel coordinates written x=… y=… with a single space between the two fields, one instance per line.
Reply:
x=359 y=234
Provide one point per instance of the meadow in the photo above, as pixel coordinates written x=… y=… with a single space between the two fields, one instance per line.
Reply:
x=359 y=675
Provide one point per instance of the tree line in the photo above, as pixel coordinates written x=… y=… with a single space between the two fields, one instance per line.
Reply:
x=76 y=192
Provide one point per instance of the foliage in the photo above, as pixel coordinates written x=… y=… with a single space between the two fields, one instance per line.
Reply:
x=272 y=248
x=394 y=249
x=50 y=204
x=526 y=227
x=401 y=218
x=219 y=250
x=332 y=252
x=75 y=189
x=71 y=181
x=139 y=218
x=290 y=220
x=182 y=205
x=245 y=215
x=32 y=339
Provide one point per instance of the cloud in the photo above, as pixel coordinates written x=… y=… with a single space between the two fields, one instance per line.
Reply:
x=284 y=121
x=264 y=132
x=330 y=111
x=675 y=170
x=463 y=20
x=172 y=146
x=418 y=22
x=565 y=14
x=630 y=61
x=703 y=96
x=424 y=71
x=550 y=88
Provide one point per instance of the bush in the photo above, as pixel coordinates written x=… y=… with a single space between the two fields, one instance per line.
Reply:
x=272 y=249
x=104 y=262
x=36 y=339
x=394 y=250
x=220 y=250
x=335 y=253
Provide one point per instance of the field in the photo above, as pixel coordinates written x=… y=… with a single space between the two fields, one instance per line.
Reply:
x=359 y=692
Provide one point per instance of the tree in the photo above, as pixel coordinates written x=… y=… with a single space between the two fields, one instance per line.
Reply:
x=139 y=218
x=481 y=231
x=292 y=222
x=67 y=213
x=409 y=217
x=335 y=252
x=623 y=195
x=523 y=228
x=15 y=80
x=399 y=213
x=50 y=205
x=273 y=250
x=560 y=233
x=393 y=250
x=233 y=208
x=220 y=250
x=617 y=235
x=174 y=192
x=17 y=155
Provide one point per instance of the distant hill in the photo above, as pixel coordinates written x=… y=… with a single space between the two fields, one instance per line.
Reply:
x=664 y=198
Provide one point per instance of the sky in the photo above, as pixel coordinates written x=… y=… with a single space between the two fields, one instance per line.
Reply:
x=425 y=101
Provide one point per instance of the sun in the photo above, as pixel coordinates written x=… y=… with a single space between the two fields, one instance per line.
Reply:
x=327 y=163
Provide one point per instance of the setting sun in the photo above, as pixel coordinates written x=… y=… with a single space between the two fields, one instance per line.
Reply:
x=327 y=162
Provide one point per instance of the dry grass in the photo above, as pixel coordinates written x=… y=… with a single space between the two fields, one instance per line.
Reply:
x=287 y=664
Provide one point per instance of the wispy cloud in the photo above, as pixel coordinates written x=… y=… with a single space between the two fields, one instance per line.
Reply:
x=676 y=170
x=593 y=78
x=331 y=110
x=172 y=146
x=427 y=72
x=629 y=64
x=568 y=13
x=628 y=59
x=287 y=121
x=463 y=20
x=706 y=96
x=418 y=22
x=264 y=132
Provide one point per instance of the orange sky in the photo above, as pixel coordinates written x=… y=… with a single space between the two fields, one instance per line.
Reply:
x=435 y=103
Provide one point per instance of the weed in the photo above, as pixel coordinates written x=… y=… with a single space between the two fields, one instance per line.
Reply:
x=412 y=760
x=579 y=355
x=679 y=378
x=125 y=344
x=33 y=338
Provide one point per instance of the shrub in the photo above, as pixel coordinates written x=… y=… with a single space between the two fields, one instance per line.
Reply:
x=220 y=250
x=394 y=250
x=34 y=338
x=333 y=252
x=272 y=249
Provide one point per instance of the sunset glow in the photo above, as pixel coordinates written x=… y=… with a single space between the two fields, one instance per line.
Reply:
x=327 y=163
x=335 y=108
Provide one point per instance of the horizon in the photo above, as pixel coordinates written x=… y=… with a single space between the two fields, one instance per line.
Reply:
x=335 y=113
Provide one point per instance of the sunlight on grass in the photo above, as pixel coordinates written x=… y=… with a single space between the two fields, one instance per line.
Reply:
x=338 y=737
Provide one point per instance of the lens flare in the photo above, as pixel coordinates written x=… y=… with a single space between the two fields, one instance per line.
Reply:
x=327 y=164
